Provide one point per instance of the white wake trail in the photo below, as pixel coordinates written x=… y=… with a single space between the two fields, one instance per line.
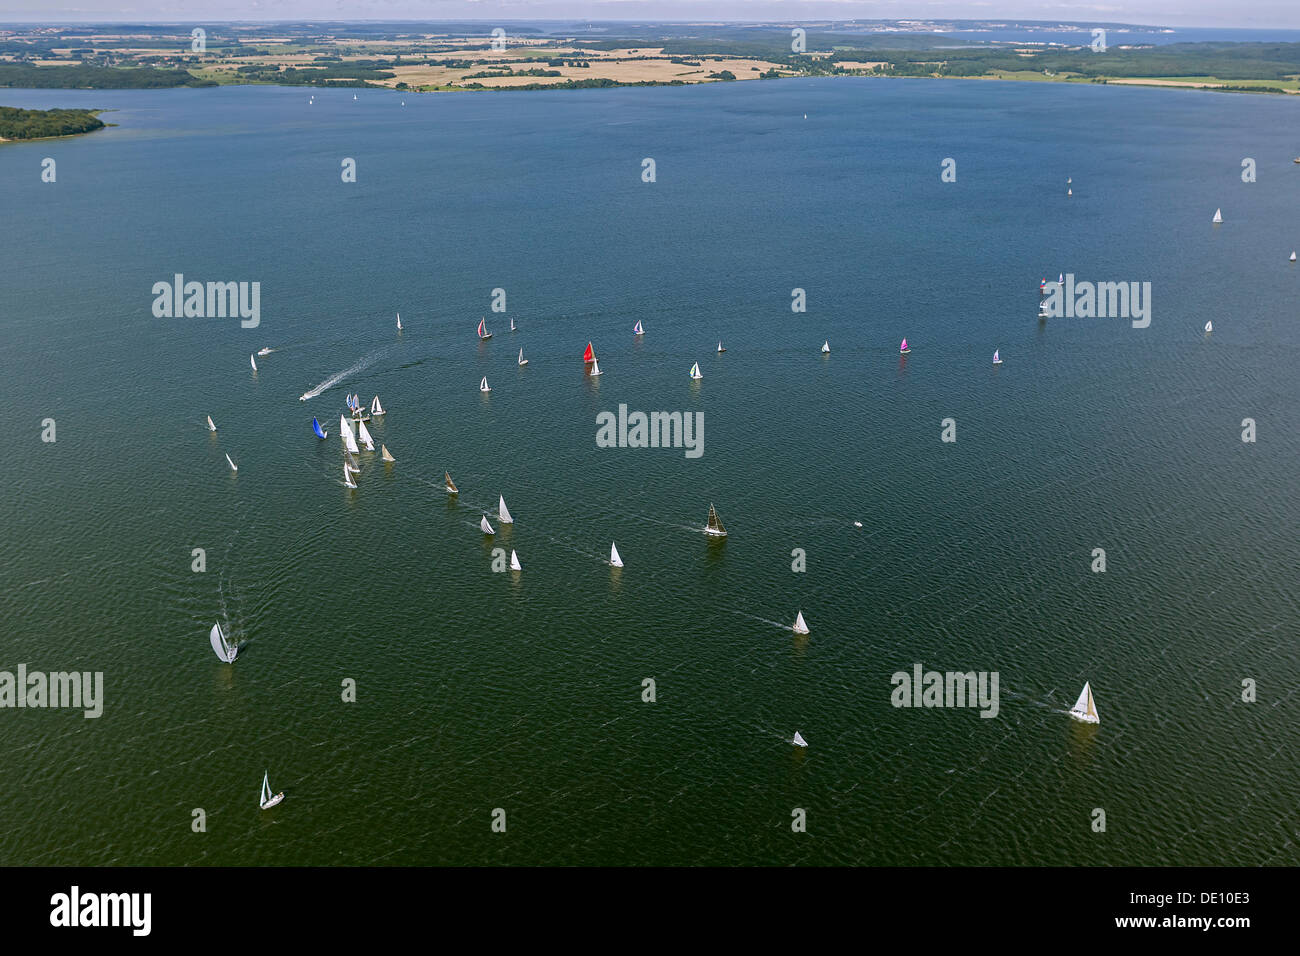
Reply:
x=340 y=376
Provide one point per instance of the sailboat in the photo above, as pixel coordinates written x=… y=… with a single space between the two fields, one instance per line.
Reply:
x=514 y=561
x=320 y=433
x=996 y=359
x=695 y=371
x=1042 y=310
x=483 y=333
x=522 y=361
x=714 y=527
x=502 y=512
x=345 y=430
x=226 y=651
x=449 y=484
x=483 y=385
x=903 y=349
x=720 y=348
x=799 y=626
x=267 y=801
x=1068 y=180
x=1084 y=709
x=798 y=740
x=347 y=476
x=614 y=559
x=399 y=321
x=350 y=464
x=1209 y=326
x=1293 y=255
x=233 y=466
x=376 y=408
x=826 y=347
x=383 y=453
x=589 y=356
x=265 y=351
x=1069 y=192
x=211 y=427
x=253 y=362
x=636 y=329
x=487 y=528
x=1218 y=215
x=365 y=436
x=595 y=368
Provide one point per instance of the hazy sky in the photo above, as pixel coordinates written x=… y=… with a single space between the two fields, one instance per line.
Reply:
x=1219 y=13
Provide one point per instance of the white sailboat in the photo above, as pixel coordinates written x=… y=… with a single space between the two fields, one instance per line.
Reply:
x=349 y=440
x=233 y=466
x=225 y=650
x=347 y=476
x=383 y=453
x=1084 y=709
x=826 y=347
x=265 y=351
x=1218 y=215
x=800 y=627
x=1292 y=255
x=1069 y=192
x=487 y=528
x=211 y=427
x=997 y=360
x=449 y=484
x=267 y=801
x=714 y=527
x=636 y=329
x=365 y=436
x=399 y=321
x=522 y=361
x=350 y=464
x=512 y=323
x=614 y=559
x=695 y=371
x=483 y=385
x=483 y=333
x=253 y=362
x=1209 y=326
x=798 y=740
x=376 y=408
x=514 y=561
x=720 y=348
x=595 y=368
x=502 y=512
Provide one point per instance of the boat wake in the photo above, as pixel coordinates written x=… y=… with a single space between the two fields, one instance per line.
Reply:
x=340 y=376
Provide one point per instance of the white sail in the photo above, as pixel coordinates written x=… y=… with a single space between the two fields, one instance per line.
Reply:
x=799 y=626
x=226 y=651
x=1209 y=326
x=347 y=476
x=1292 y=255
x=483 y=385
x=253 y=362
x=522 y=360
x=349 y=440
x=798 y=740
x=266 y=801
x=383 y=453
x=720 y=348
x=826 y=347
x=695 y=371
x=233 y=466
x=211 y=427
x=1084 y=709
x=514 y=561
x=376 y=408
x=595 y=368
x=614 y=559
x=365 y=436
x=502 y=511
x=1218 y=215
x=996 y=358
x=487 y=528
x=512 y=324
x=399 y=321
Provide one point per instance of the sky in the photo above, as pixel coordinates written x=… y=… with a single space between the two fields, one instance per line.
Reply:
x=1253 y=14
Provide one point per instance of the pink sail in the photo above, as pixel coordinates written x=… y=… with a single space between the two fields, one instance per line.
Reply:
x=903 y=347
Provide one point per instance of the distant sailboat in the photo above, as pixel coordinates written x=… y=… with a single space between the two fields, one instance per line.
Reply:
x=483 y=385
x=595 y=368
x=226 y=651
x=1069 y=192
x=522 y=361
x=502 y=512
x=614 y=559
x=514 y=561
x=1209 y=326
x=589 y=356
x=636 y=329
x=252 y=360
x=1068 y=180
x=350 y=464
x=996 y=359
x=714 y=526
x=266 y=351
x=1084 y=709
x=798 y=740
x=1042 y=310
x=483 y=333
x=449 y=484
x=399 y=321
x=349 y=440
x=347 y=476
x=903 y=349
x=376 y=408
x=315 y=427
x=487 y=528
x=799 y=626
x=211 y=427
x=267 y=801
x=1218 y=215
x=1293 y=255
x=383 y=453
x=233 y=466
x=695 y=371
x=720 y=348
x=365 y=436
x=512 y=323
x=826 y=347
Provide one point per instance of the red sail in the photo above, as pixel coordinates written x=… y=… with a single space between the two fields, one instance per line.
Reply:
x=480 y=328
x=589 y=355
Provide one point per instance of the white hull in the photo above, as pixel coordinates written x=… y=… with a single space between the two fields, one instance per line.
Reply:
x=274 y=801
x=1084 y=718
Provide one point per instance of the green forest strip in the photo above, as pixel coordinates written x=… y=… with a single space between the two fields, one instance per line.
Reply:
x=16 y=124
